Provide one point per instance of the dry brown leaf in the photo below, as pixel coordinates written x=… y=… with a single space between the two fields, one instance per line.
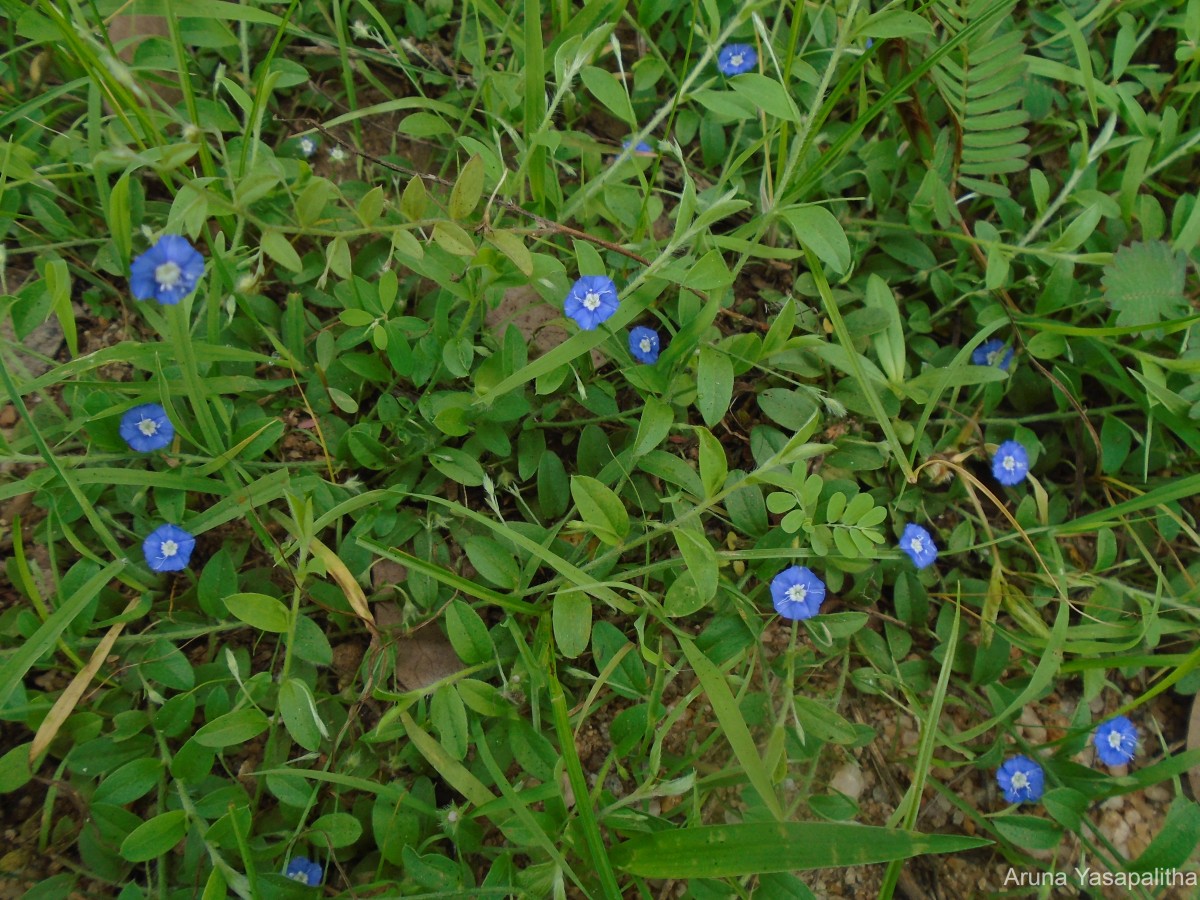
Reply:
x=423 y=658
x=524 y=308
x=385 y=573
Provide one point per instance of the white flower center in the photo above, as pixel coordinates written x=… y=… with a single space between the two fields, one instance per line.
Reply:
x=917 y=545
x=169 y=548
x=646 y=345
x=302 y=877
x=797 y=592
x=167 y=275
x=1009 y=463
x=1115 y=740
x=992 y=357
x=591 y=300
x=1020 y=781
x=736 y=60
x=148 y=427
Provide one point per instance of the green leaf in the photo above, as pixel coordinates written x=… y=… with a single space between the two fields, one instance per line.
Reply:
x=655 y=425
x=130 y=782
x=767 y=94
x=713 y=465
x=605 y=87
x=467 y=632
x=449 y=719
x=233 y=728
x=300 y=716
x=817 y=229
x=154 y=838
x=700 y=560
x=514 y=248
x=280 y=249
x=781 y=329
x=457 y=465
x=336 y=829
x=453 y=239
x=714 y=385
x=1144 y=283
x=572 y=619
x=730 y=851
x=709 y=273
x=789 y=408
x=889 y=343
x=683 y=596
x=600 y=508
x=895 y=23
x=823 y=723
x=497 y=565
x=414 y=199
x=260 y=611
x=467 y=190
x=15 y=772
x=370 y=206
x=1176 y=840
x=1028 y=832
x=337 y=256
x=729 y=715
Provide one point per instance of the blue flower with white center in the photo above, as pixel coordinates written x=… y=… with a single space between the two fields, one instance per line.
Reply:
x=797 y=593
x=1010 y=465
x=147 y=428
x=642 y=148
x=303 y=870
x=1116 y=740
x=993 y=353
x=307 y=145
x=734 y=59
x=919 y=545
x=167 y=272
x=168 y=548
x=1021 y=779
x=643 y=344
x=591 y=300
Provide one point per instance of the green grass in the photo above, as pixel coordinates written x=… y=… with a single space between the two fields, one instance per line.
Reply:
x=481 y=608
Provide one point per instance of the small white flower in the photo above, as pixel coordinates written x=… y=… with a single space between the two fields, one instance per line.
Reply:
x=359 y=29
x=337 y=154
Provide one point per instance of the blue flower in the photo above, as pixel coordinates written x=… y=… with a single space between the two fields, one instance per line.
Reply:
x=642 y=148
x=993 y=353
x=734 y=59
x=870 y=43
x=307 y=145
x=1010 y=465
x=167 y=272
x=147 y=428
x=1116 y=740
x=919 y=545
x=1021 y=779
x=797 y=593
x=643 y=344
x=303 y=870
x=591 y=300
x=168 y=548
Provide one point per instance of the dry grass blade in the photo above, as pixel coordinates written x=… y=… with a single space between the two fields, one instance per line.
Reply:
x=65 y=704
x=338 y=572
